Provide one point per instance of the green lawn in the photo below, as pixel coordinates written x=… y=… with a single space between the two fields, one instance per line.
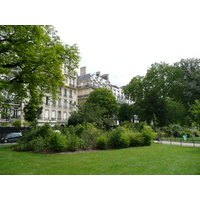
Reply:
x=154 y=159
x=195 y=139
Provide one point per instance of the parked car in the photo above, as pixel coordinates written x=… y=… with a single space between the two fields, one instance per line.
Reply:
x=11 y=137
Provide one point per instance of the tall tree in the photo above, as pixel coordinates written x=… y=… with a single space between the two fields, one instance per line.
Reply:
x=31 y=57
x=162 y=88
x=103 y=99
x=125 y=112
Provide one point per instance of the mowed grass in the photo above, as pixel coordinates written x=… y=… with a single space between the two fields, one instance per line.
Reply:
x=195 y=139
x=157 y=159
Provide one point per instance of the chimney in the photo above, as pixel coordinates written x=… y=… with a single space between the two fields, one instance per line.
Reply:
x=98 y=73
x=82 y=71
x=105 y=76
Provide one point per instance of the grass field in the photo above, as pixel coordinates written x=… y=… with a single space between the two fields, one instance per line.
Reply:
x=195 y=139
x=155 y=159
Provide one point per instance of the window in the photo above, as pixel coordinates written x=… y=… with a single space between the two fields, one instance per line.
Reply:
x=59 y=102
x=53 y=114
x=70 y=93
x=65 y=116
x=65 y=92
x=59 y=115
x=47 y=101
x=46 y=114
x=70 y=105
x=65 y=103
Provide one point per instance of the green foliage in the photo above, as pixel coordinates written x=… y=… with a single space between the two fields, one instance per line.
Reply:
x=90 y=134
x=136 y=139
x=72 y=142
x=17 y=123
x=33 y=109
x=125 y=112
x=31 y=56
x=4 y=124
x=42 y=138
x=118 y=138
x=104 y=99
x=166 y=93
x=175 y=130
x=83 y=137
x=102 y=143
x=196 y=112
x=57 y=142
x=38 y=144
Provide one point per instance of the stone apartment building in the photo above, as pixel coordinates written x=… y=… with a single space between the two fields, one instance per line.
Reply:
x=88 y=82
x=59 y=112
x=54 y=113
x=75 y=89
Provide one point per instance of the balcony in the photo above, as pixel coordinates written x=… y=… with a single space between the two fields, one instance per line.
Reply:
x=83 y=96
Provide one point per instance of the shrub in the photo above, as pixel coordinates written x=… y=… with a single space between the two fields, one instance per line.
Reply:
x=147 y=139
x=4 y=124
x=72 y=142
x=57 y=142
x=23 y=147
x=83 y=144
x=195 y=133
x=125 y=141
x=17 y=123
x=79 y=129
x=175 y=130
x=136 y=139
x=102 y=143
x=118 y=138
x=147 y=134
x=44 y=131
x=38 y=144
x=90 y=135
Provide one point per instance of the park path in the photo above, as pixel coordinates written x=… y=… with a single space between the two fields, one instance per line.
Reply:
x=186 y=144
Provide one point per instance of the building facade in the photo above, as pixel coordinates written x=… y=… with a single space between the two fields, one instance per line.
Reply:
x=58 y=112
x=53 y=112
x=76 y=89
x=87 y=82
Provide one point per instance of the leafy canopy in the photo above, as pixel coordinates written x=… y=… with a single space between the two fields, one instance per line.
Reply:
x=104 y=99
x=31 y=60
x=163 y=88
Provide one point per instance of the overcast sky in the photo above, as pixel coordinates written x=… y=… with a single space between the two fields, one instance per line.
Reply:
x=122 y=37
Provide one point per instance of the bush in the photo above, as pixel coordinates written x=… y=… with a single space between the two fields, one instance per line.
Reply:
x=125 y=141
x=102 y=143
x=147 y=134
x=72 y=142
x=195 y=133
x=118 y=139
x=38 y=144
x=136 y=139
x=57 y=142
x=17 y=123
x=23 y=147
x=83 y=144
x=175 y=130
x=90 y=135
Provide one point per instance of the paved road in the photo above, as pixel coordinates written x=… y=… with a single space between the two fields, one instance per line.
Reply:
x=186 y=144
x=7 y=143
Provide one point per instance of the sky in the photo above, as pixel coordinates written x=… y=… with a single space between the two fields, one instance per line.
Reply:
x=121 y=38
